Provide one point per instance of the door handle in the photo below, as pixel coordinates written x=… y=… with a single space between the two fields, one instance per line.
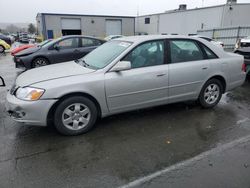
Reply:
x=159 y=75
x=204 y=68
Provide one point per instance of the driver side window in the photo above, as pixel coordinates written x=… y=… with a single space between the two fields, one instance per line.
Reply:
x=147 y=54
x=68 y=43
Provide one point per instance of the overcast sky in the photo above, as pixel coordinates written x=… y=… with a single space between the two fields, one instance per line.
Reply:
x=26 y=10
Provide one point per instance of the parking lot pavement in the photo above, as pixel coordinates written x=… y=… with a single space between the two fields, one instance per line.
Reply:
x=125 y=147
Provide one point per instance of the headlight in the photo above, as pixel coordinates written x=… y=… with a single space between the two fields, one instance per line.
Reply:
x=29 y=93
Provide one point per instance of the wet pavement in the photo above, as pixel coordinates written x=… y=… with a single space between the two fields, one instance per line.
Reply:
x=125 y=147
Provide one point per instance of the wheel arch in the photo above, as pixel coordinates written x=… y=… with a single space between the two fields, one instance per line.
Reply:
x=3 y=47
x=51 y=112
x=221 y=79
x=39 y=56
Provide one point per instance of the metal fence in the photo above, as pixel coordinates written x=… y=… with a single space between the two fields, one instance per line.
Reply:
x=228 y=35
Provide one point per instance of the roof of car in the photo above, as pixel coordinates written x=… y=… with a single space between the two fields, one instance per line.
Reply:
x=70 y=36
x=142 y=38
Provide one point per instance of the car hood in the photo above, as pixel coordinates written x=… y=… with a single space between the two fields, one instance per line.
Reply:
x=28 y=51
x=244 y=49
x=51 y=72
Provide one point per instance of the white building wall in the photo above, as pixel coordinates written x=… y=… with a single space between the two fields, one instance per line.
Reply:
x=151 y=28
x=238 y=15
x=189 y=21
x=186 y=22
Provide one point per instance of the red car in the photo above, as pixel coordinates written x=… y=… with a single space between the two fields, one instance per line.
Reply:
x=26 y=46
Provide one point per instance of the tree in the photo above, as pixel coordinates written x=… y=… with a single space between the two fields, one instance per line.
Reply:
x=31 y=28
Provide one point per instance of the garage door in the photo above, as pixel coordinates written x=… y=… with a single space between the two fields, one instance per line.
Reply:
x=73 y=24
x=113 y=27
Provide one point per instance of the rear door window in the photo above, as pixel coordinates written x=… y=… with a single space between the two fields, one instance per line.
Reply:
x=184 y=51
x=68 y=43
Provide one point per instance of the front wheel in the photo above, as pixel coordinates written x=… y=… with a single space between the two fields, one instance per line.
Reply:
x=2 y=49
x=75 y=115
x=39 y=62
x=211 y=93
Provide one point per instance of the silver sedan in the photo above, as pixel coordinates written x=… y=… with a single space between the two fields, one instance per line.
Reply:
x=123 y=75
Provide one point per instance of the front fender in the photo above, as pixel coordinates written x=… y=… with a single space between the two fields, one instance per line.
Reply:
x=92 y=85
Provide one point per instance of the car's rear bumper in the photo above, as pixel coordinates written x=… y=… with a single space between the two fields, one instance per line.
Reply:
x=28 y=112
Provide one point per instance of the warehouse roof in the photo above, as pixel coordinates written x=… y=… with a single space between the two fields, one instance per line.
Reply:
x=59 y=14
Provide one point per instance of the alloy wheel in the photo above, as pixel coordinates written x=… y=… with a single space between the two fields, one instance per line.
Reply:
x=211 y=93
x=76 y=116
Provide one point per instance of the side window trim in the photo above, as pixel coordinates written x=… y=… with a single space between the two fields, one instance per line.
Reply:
x=203 y=46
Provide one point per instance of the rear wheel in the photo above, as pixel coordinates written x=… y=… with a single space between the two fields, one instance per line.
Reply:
x=211 y=93
x=75 y=115
x=2 y=49
x=39 y=62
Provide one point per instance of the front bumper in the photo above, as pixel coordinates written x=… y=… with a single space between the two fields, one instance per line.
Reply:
x=29 y=112
x=18 y=62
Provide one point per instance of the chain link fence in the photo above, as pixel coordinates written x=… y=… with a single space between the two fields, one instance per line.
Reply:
x=228 y=35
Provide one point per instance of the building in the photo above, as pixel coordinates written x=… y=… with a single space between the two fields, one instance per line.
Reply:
x=55 y=25
x=189 y=21
x=226 y=22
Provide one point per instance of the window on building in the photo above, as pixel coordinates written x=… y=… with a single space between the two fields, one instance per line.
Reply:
x=147 y=20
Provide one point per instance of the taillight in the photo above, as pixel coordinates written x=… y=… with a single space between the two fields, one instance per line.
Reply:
x=244 y=67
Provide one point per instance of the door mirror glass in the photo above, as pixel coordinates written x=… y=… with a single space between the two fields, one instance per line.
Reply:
x=57 y=47
x=121 y=66
x=2 y=83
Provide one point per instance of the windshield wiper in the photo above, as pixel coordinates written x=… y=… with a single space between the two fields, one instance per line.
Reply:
x=83 y=63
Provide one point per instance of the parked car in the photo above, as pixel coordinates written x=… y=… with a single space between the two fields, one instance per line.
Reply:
x=23 y=38
x=6 y=39
x=26 y=46
x=123 y=75
x=111 y=37
x=63 y=49
x=215 y=42
x=3 y=46
x=242 y=47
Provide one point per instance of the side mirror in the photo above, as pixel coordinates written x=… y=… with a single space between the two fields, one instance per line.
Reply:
x=2 y=83
x=56 y=47
x=121 y=66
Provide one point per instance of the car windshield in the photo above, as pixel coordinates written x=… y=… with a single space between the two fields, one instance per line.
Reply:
x=104 y=55
x=44 y=43
x=52 y=41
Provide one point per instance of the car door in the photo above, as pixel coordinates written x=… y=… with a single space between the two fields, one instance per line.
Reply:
x=65 y=50
x=87 y=45
x=188 y=69
x=145 y=84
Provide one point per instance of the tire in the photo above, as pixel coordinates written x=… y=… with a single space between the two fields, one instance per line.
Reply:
x=2 y=49
x=75 y=115
x=40 y=62
x=211 y=93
